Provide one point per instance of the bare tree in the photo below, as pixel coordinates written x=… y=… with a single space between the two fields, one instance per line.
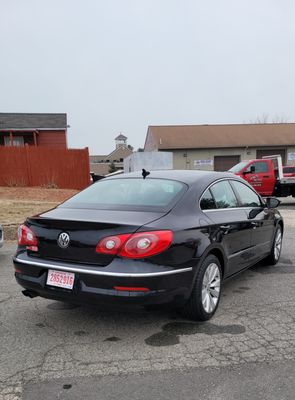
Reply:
x=262 y=119
x=279 y=119
x=265 y=119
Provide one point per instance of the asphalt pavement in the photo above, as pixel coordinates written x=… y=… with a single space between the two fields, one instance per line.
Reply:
x=51 y=350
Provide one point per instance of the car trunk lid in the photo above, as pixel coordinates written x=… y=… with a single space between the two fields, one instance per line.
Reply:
x=85 y=229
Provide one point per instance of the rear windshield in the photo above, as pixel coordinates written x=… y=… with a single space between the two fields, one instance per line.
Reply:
x=129 y=194
x=238 y=167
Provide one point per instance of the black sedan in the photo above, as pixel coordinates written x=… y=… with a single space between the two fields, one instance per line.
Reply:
x=167 y=237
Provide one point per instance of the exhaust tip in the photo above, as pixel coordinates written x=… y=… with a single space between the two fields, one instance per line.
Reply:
x=30 y=293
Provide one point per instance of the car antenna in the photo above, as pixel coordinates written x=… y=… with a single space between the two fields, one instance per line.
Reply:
x=145 y=173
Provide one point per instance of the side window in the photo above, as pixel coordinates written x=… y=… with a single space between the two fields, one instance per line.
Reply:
x=289 y=170
x=260 y=166
x=207 y=201
x=223 y=195
x=247 y=196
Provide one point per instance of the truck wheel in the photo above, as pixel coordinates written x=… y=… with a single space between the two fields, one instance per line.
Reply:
x=276 y=248
x=205 y=295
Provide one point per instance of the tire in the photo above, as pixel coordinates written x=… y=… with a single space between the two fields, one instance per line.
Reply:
x=206 y=292
x=276 y=247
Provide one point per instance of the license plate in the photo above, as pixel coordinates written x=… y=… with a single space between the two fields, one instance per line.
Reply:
x=60 y=279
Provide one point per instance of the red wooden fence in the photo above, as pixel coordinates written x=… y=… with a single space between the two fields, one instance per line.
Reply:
x=41 y=166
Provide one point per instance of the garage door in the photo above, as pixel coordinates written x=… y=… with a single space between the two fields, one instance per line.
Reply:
x=272 y=152
x=224 y=163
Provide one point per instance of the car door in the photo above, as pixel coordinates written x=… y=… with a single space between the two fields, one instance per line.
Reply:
x=230 y=225
x=262 y=179
x=260 y=218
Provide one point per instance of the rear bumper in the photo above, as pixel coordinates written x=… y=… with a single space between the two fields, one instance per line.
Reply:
x=95 y=285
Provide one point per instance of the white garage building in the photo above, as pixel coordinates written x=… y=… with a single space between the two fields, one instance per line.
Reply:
x=219 y=147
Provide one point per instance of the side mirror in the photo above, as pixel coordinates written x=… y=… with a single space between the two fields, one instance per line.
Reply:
x=252 y=170
x=272 y=202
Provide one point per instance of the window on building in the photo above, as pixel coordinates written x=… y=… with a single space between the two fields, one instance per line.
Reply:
x=16 y=141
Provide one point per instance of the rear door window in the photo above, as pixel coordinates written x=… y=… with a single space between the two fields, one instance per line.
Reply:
x=224 y=195
x=207 y=201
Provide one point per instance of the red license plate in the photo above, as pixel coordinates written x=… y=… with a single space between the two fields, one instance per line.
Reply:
x=60 y=279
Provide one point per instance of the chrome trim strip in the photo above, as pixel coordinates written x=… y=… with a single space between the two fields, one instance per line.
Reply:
x=230 y=209
x=250 y=249
x=238 y=253
x=104 y=273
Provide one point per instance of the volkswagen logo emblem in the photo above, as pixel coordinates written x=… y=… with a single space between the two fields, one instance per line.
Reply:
x=63 y=240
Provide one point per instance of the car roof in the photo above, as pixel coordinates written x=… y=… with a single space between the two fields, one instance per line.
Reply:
x=186 y=176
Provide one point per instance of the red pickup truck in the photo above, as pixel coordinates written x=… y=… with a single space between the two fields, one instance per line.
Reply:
x=267 y=176
x=289 y=171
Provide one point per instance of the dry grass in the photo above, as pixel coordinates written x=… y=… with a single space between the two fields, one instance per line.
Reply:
x=16 y=204
x=15 y=211
x=35 y=194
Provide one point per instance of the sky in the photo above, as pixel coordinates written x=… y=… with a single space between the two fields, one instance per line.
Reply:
x=121 y=65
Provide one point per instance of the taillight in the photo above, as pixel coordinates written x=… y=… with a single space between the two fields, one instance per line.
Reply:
x=137 y=245
x=111 y=244
x=131 y=289
x=26 y=237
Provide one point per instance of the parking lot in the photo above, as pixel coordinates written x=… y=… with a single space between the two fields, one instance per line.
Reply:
x=52 y=350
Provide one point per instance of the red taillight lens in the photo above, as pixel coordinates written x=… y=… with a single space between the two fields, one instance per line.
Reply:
x=111 y=244
x=146 y=244
x=26 y=237
x=137 y=245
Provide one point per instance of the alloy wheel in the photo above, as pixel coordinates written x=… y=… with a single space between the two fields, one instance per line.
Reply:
x=278 y=244
x=211 y=288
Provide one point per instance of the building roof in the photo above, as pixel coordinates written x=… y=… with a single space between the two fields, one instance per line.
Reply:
x=121 y=137
x=219 y=136
x=97 y=158
x=119 y=152
x=32 y=121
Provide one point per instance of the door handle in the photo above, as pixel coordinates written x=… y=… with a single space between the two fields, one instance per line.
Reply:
x=265 y=176
x=225 y=227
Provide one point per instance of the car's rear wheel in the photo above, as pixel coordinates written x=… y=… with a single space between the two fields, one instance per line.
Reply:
x=276 y=249
x=205 y=295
